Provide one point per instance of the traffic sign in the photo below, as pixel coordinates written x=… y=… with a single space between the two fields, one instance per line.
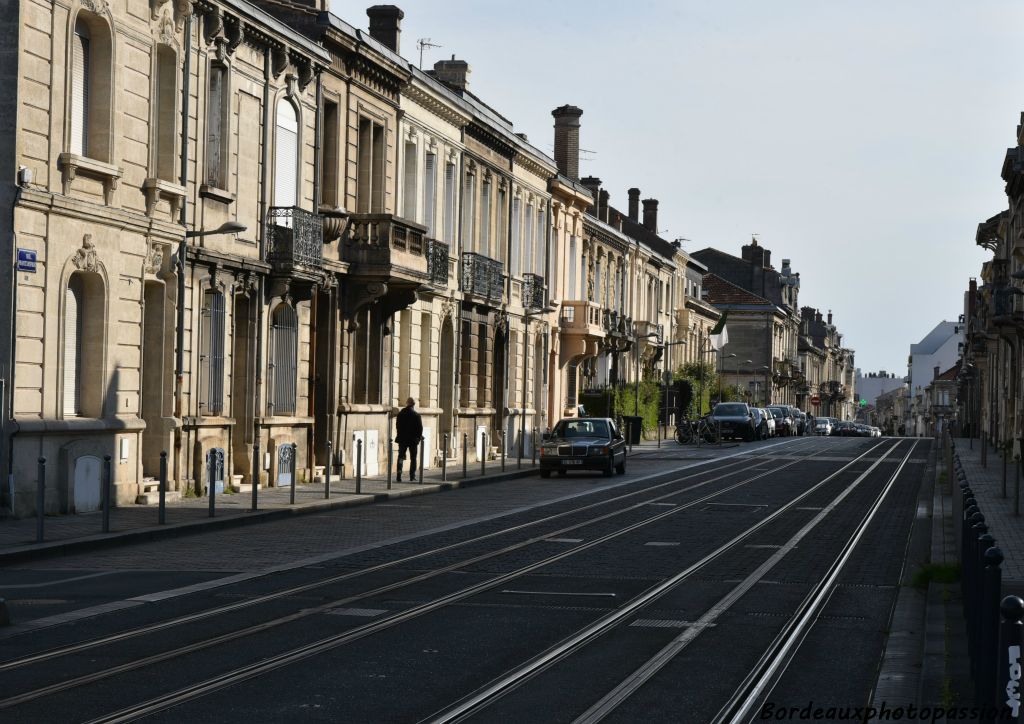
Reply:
x=815 y=400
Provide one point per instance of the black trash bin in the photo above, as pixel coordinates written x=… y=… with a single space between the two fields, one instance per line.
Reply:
x=634 y=427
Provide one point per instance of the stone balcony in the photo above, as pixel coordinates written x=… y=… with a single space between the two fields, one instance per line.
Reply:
x=385 y=247
x=482 y=277
x=295 y=243
x=581 y=327
x=651 y=332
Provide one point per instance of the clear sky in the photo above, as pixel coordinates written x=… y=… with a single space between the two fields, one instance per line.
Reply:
x=861 y=139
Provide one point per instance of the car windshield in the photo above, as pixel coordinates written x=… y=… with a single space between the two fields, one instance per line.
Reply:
x=733 y=408
x=777 y=412
x=581 y=428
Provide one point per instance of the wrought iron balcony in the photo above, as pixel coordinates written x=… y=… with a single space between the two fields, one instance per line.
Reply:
x=295 y=239
x=385 y=246
x=481 y=276
x=533 y=291
x=437 y=262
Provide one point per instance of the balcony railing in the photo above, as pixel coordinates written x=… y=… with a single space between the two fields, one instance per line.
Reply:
x=437 y=262
x=481 y=276
x=533 y=291
x=385 y=244
x=294 y=238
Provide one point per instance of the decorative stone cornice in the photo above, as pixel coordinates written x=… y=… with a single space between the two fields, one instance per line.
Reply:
x=434 y=105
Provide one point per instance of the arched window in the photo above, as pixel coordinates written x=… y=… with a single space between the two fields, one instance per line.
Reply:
x=283 y=360
x=165 y=113
x=286 y=155
x=74 y=298
x=89 y=102
x=80 y=82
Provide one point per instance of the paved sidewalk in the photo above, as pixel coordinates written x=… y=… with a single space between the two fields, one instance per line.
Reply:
x=135 y=523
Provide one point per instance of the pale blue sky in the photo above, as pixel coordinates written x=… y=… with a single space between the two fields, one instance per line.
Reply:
x=863 y=140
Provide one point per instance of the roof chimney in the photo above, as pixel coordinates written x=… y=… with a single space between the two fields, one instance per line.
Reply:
x=830 y=316
x=634 y=205
x=593 y=183
x=386 y=24
x=757 y=255
x=651 y=215
x=567 y=140
x=935 y=376
x=454 y=73
x=603 y=201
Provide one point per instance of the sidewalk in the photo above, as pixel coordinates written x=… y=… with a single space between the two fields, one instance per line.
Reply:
x=135 y=523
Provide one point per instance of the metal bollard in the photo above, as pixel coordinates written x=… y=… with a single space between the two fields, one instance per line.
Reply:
x=533 y=448
x=423 y=449
x=211 y=483
x=989 y=639
x=983 y=542
x=1005 y=454
x=327 y=482
x=483 y=453
x=502 y=434
x=256 y=474
x=1011 y=638
x=106 y=493
x=391 y=453
x=295 y=474
x=465 y=456
x=359 y=467
x=444 y=460
x=162 y=509
x=1016 y=486
x=40 y=498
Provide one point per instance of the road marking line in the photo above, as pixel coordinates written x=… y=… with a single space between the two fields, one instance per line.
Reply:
x=54 y=583
x=658 y=623
x=557 y=593
x=662 y=543
x=364 y=612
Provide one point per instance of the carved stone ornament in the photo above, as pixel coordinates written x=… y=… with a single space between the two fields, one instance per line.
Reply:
x=447 y=311
x=235 y=34
x=86 y=259
x=501 y=321
x=246 y=284
x=291 y=82
x=97 y=6
x=154 y=262
x=305 y=75
x=278 y=60
x=213 y=24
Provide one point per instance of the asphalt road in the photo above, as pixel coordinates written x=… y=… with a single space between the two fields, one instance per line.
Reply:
x=701 y=586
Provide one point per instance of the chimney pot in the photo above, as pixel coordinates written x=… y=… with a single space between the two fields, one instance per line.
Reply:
x=603 y=201
x=593 y=183
x=634 y=205
x=454 y=73
x=651 y=215
x=830 y=316
x=567 y=140
x=386 y=25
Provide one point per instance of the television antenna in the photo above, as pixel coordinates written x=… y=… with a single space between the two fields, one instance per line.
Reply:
x=424 y=43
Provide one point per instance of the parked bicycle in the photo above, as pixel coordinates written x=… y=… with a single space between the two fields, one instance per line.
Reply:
x=692 y=431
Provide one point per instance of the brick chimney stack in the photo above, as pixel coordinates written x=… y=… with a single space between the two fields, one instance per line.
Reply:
x=603 y=196
x=386 y=24
x=593 y=183
x=830 y=316
x=634 y=205
x=651 y=215
x=567 y=140
x=453 y=73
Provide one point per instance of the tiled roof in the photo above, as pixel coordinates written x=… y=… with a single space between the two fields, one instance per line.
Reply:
x=950 y=374
x=721 y=291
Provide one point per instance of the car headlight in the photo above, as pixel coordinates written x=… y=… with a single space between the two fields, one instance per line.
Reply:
x=600 y=450
x=549 y=451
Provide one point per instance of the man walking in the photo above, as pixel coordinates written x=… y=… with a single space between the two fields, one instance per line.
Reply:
x=408 y=433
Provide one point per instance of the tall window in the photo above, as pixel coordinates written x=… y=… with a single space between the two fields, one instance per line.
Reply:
x=329 y=167
x=449 y=203
x=570 y=292
x=517 y=241
x=469 y=213
x=166 y=93
x=538 y=263
x=73 y=308
x=485 y=219
x=211 y=354
x=370 y=167
x=80 y=57
x=430 y=193
x=216 y=127
x=409 y=195
x=500 y=237
x=286 y=155
x=283 y=360
x=529 y=240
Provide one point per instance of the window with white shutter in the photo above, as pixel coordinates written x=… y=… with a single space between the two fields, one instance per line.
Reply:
x=409 y=195
x=468 y=213
x=538 y=255
x=529 y=240
x=570 y=292
x=80 y=90
x=449 y=203
x=485 y=219
x=517 y=241
x=286 y=155
x=500 y=237
x=430 y=193
x=73 y=309
x=283 y=360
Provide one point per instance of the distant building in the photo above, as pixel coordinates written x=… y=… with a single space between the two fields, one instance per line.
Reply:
x=869 y=386
x=939 y=348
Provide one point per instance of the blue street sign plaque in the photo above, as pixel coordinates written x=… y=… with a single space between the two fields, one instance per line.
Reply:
x=27 y=260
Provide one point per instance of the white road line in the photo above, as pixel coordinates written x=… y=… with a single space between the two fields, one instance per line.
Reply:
x=19 y=586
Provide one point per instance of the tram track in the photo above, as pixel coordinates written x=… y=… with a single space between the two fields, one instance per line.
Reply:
x=356 y=633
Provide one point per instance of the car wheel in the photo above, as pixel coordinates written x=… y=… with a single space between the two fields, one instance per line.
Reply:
x=621 y=467
x=562 y=473
x=610 y=467
x=545 y=473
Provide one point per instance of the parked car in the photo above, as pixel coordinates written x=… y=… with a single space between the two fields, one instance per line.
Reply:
x=583 y=443
x=822 y=426
x=761 y=418
x=863 y=430
x=845 y=428
x=783 y=419
x=876 y=432
x=770 y=419
x=735 y=418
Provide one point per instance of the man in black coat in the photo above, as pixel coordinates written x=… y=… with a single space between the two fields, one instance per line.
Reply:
x=408 y=433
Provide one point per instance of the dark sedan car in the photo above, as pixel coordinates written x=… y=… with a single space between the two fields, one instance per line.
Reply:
x=845 y=428
x=735 y=419
x=583 y=443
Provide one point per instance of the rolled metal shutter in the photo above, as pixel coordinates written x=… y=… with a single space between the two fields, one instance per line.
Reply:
x=284 y=363
x=73 y=347
x=286 y=154
x=80 y=91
